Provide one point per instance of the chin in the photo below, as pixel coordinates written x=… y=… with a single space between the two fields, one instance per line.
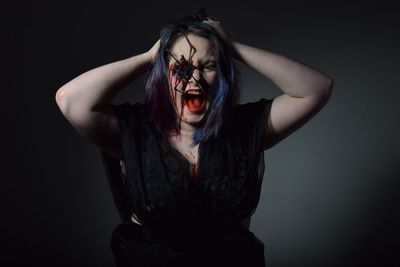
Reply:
x=194 y=118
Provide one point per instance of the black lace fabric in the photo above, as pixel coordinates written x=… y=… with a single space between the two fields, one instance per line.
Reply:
x=167 y=217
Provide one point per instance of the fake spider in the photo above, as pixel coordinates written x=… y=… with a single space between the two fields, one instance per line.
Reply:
x=183 y=70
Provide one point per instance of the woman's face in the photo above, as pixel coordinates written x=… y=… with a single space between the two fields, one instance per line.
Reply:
x=192 y=74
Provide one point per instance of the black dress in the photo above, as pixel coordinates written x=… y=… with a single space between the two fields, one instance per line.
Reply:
x=185 y=222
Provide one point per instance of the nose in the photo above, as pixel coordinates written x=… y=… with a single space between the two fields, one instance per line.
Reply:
x=196 y=76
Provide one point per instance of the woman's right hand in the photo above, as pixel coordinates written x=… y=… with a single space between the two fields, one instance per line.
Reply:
x=154 y=51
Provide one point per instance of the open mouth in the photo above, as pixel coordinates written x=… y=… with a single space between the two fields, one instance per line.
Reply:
x=195 y=100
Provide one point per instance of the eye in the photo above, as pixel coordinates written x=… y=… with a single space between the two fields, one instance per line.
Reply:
x=210 y=67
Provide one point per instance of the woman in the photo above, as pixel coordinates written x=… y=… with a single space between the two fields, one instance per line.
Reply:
x=186 y=166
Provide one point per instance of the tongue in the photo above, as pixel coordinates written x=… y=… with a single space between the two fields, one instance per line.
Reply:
x=195 y=104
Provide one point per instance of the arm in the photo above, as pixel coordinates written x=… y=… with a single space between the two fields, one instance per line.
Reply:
x=95 y=88
x=292 y=77
x=306 y=90
x=85 y=100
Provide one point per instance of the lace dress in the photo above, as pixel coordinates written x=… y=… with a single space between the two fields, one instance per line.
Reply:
x=169 y=218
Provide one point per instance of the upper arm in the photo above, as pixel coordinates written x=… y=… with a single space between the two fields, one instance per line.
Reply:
x=287 y=114
x=100 y=127
x=103 y=130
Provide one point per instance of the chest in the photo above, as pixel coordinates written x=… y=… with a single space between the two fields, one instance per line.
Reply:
x=191 y=153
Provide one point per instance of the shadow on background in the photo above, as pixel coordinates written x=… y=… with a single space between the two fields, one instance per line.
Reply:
x=375 y=239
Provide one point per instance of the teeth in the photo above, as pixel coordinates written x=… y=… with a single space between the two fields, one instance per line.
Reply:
x=194 y=92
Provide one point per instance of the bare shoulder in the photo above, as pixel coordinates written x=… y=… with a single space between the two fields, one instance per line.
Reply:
x=288 y=114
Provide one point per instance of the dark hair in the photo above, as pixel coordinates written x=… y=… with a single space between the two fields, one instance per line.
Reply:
x=157 y=101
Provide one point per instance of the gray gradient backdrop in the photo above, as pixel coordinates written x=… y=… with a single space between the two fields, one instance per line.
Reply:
x=329 y=195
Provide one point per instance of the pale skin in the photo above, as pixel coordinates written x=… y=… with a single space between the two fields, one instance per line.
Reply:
x=85 y=100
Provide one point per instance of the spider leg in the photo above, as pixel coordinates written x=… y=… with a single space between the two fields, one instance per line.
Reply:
x=179 y=62
x=198 y=82
x=191 y=49
x=176 y=87
x=169 y=52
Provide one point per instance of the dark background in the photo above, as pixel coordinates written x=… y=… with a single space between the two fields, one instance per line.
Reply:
x=330 y=191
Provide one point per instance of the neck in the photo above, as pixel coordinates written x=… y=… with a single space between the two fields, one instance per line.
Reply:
x=187 y=130
x=185 y=133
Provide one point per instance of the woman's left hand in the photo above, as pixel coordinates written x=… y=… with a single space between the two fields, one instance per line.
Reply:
x=217 y=25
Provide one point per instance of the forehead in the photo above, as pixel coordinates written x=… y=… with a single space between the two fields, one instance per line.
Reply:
x=202 y=45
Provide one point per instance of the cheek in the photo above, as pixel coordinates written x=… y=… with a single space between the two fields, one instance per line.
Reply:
x=211 y=78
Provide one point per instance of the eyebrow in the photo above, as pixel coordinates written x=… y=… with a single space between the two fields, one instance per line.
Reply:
x=211 y=60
